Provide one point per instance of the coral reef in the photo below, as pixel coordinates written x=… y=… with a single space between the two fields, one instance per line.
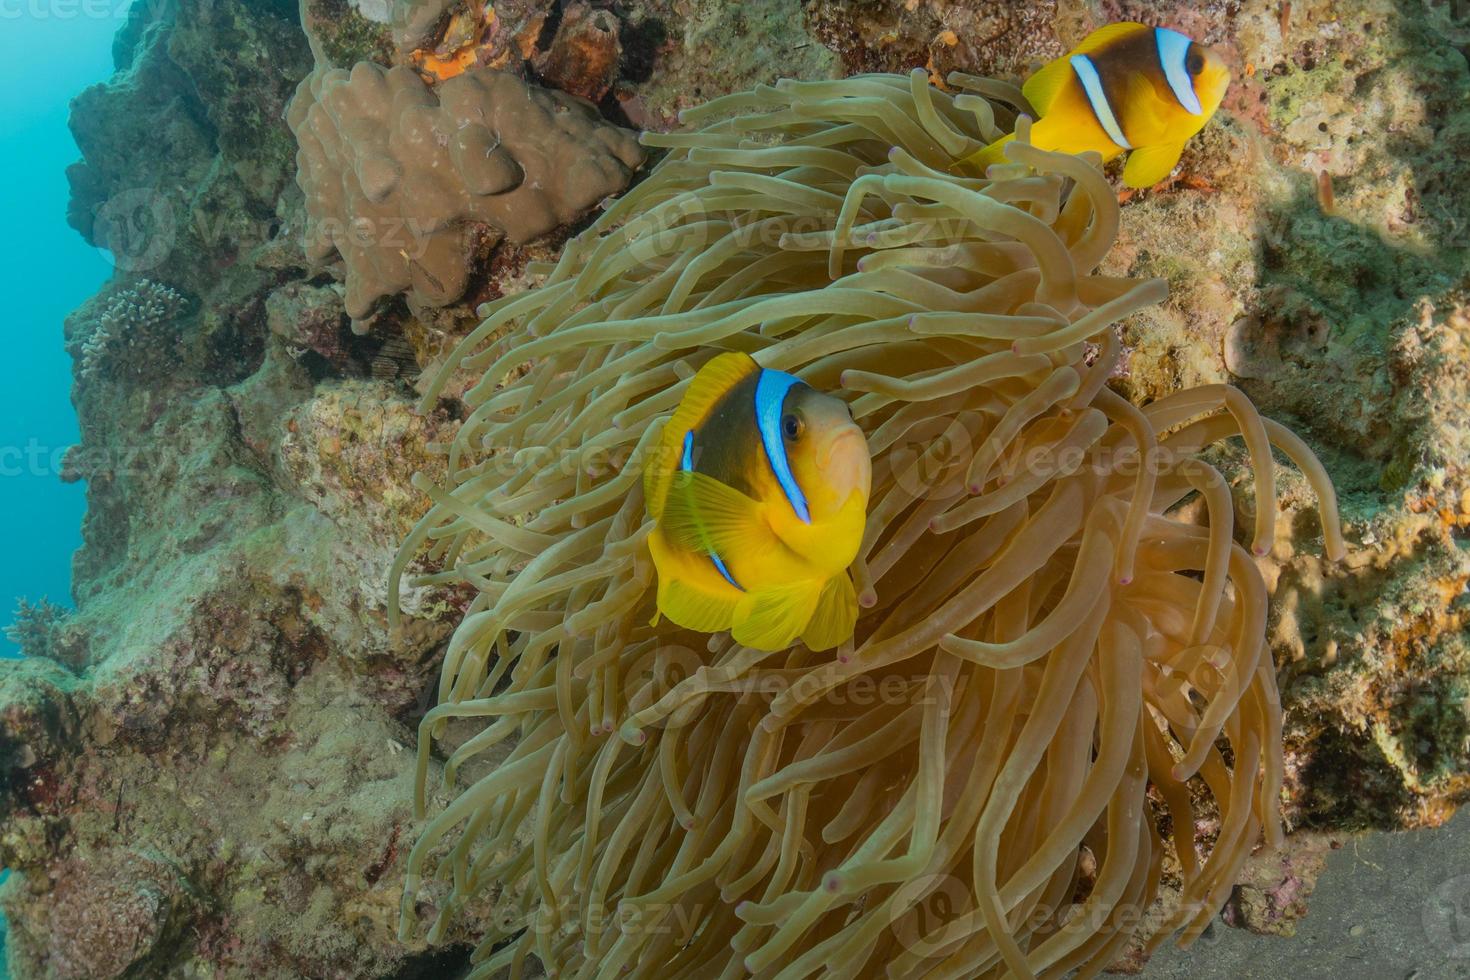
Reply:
x=414 y=187
x=228 y=728
x=310 y=318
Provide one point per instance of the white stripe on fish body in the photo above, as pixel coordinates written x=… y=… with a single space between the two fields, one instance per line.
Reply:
x=1092 y=84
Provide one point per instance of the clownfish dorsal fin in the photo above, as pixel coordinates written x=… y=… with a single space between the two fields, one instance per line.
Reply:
x=1042 y=88
x=1107 y=35
x=706 y=388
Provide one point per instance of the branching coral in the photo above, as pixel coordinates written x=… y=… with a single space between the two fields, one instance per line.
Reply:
x=410 y=184
x=963 y=790
x=35 y=625
x=130 y=320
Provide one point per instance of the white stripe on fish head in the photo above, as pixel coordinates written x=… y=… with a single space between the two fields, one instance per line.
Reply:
x=770 y=402
x=1173 y=56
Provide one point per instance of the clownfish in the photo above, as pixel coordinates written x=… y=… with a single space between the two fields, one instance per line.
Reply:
x=1126 y=88
x=759 y=492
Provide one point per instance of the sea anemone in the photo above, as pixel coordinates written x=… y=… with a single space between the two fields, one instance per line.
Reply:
x=963 y=789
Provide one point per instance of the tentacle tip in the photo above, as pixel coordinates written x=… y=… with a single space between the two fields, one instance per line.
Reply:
x=1015 y=347
x=1178 y=773
x=868 y=599
x=974 y=488
x=634 y=736
x=1260 y=550
x=913 y=320
x=833 y=883
x=1125 y=579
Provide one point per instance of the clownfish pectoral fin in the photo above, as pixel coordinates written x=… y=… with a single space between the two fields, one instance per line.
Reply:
x=772 y=619
x=1148 y=165
x=704 y=516
x=707 y=387
x=694 y=608
x=835 y=617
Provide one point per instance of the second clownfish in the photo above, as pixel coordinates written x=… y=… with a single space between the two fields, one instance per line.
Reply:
x=1126 y=88
x=759 y=493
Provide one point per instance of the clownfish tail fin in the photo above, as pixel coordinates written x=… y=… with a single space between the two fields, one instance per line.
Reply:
x=980 y=159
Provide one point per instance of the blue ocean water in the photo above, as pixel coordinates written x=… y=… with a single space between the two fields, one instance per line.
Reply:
x=49 y=51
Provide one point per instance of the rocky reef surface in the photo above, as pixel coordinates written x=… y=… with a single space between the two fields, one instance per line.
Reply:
x=206 y=771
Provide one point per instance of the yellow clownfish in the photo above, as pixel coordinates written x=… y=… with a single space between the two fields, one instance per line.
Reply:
x=1127 y=87
x=759 y=495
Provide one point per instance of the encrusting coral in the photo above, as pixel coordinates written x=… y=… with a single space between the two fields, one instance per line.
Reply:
x=411 y=184
x=963 y=790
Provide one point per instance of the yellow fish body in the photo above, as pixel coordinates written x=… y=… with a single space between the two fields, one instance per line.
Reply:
x=759 y=495
x=1126 y=88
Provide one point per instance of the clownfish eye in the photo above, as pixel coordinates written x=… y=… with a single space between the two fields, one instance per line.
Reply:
x=791 y=427
x=1195 y=63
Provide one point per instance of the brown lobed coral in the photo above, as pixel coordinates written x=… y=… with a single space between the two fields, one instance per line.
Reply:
x=412 y=185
